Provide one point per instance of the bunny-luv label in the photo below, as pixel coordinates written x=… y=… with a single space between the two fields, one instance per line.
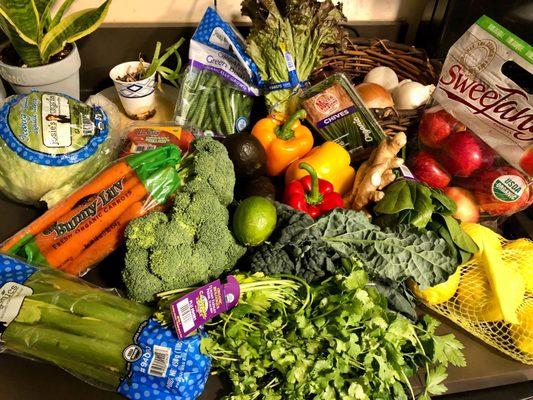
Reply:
x=203 y=304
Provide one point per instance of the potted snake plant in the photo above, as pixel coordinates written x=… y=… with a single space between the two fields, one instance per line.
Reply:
x=40 y=53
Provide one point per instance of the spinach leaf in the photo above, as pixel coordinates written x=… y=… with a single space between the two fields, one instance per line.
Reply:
x=397 y=198
x=431 y=209
x=443 y=204
x=423 y=209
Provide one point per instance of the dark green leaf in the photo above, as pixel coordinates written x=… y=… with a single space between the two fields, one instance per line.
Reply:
x=423 y=207
x=443 y=204
x=459 y=237
x=398 y=197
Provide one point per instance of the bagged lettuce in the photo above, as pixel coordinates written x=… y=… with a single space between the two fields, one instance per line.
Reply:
x=50 y=144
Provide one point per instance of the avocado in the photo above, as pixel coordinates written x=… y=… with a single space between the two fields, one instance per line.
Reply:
x=247 y=154
x=260 y=186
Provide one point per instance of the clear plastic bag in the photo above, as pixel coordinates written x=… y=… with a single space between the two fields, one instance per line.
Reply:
x=89 y=224
x=478 y=135
x=50 y=144
x=216 y=93
x=105 y=340
x=337 y=112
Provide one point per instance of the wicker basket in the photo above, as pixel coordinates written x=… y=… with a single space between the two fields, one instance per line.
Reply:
x=361 y=55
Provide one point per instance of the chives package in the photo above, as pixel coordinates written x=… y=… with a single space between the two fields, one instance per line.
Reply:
x=338 y=114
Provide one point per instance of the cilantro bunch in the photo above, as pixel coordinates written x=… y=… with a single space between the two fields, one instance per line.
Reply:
x=336 y=340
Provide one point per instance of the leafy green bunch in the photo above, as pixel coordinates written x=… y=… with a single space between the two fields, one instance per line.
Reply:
x=413 y=203
x=297 y=27
x=36 y=34
x=315 y=250
x=338 y=340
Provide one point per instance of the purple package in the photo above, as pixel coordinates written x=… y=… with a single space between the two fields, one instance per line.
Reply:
x=203 y=304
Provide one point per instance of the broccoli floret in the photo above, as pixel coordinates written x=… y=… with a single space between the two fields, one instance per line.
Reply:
x=193 y=244
x=203 y=206
x=141 y=284
x=142 y=232
x=177 y=266
x=209 y=166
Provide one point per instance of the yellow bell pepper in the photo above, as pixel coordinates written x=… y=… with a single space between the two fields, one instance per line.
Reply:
x=331 y=162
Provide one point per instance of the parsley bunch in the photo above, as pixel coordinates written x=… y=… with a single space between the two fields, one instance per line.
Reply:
x=336 y=340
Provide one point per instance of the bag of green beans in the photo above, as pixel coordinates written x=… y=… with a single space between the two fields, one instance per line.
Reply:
x=338 y=114
x=217 y=91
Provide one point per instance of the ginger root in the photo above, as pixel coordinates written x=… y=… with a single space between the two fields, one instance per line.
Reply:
x=376 y=173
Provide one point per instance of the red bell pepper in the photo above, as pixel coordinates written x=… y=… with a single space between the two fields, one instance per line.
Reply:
x=311 y=195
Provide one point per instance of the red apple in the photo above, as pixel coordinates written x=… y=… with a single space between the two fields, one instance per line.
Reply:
x=488 y=155
x=526 y=162
x=467 y=207
x=436 y=126
x=426 y=169
x=462 y=154
x=501 y=191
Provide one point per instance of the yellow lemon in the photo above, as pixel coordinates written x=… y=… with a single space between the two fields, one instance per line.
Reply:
x=522 y=333
x=519 y=254
x=475 y=299
x=440 y=293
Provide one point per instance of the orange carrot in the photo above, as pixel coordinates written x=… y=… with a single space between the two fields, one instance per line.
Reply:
x=49 y=238
x=101 y=181
x=75 y=244
x=108 y=240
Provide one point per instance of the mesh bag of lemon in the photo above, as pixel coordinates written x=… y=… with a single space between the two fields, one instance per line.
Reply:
x=491 y=295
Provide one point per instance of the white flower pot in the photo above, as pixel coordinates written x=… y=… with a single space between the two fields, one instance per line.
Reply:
x=137 y=98
x=59 y=77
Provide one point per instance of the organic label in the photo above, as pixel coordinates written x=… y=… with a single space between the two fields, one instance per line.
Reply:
x=508 y=188
x=203 y=304
x=12 y=296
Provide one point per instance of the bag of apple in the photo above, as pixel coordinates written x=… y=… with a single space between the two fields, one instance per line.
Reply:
x=477 y=142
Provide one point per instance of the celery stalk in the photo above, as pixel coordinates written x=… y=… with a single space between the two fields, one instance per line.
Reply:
x=85 y=305
x=91 y=373
x=54 y=317
x=48 y=343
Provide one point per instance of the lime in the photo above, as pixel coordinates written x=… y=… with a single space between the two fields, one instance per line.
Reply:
x=254 y=220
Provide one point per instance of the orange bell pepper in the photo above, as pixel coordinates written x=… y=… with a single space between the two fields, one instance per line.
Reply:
x=285 y=140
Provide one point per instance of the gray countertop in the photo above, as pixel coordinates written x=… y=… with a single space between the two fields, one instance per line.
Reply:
x=23 y=379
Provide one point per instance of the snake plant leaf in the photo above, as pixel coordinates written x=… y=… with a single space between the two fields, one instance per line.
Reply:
x=60 y=12
x=42 y=5
x=72 y=28
x=44 y=8
x=28 y=53
x=23 y=17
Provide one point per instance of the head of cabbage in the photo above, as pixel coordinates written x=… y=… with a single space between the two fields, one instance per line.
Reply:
x=50 y=144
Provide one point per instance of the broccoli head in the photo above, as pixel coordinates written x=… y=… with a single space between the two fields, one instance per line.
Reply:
x=193 y=244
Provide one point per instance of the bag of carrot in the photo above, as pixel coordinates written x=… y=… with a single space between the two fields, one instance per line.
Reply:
x=89 y=224
x=103 y=339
